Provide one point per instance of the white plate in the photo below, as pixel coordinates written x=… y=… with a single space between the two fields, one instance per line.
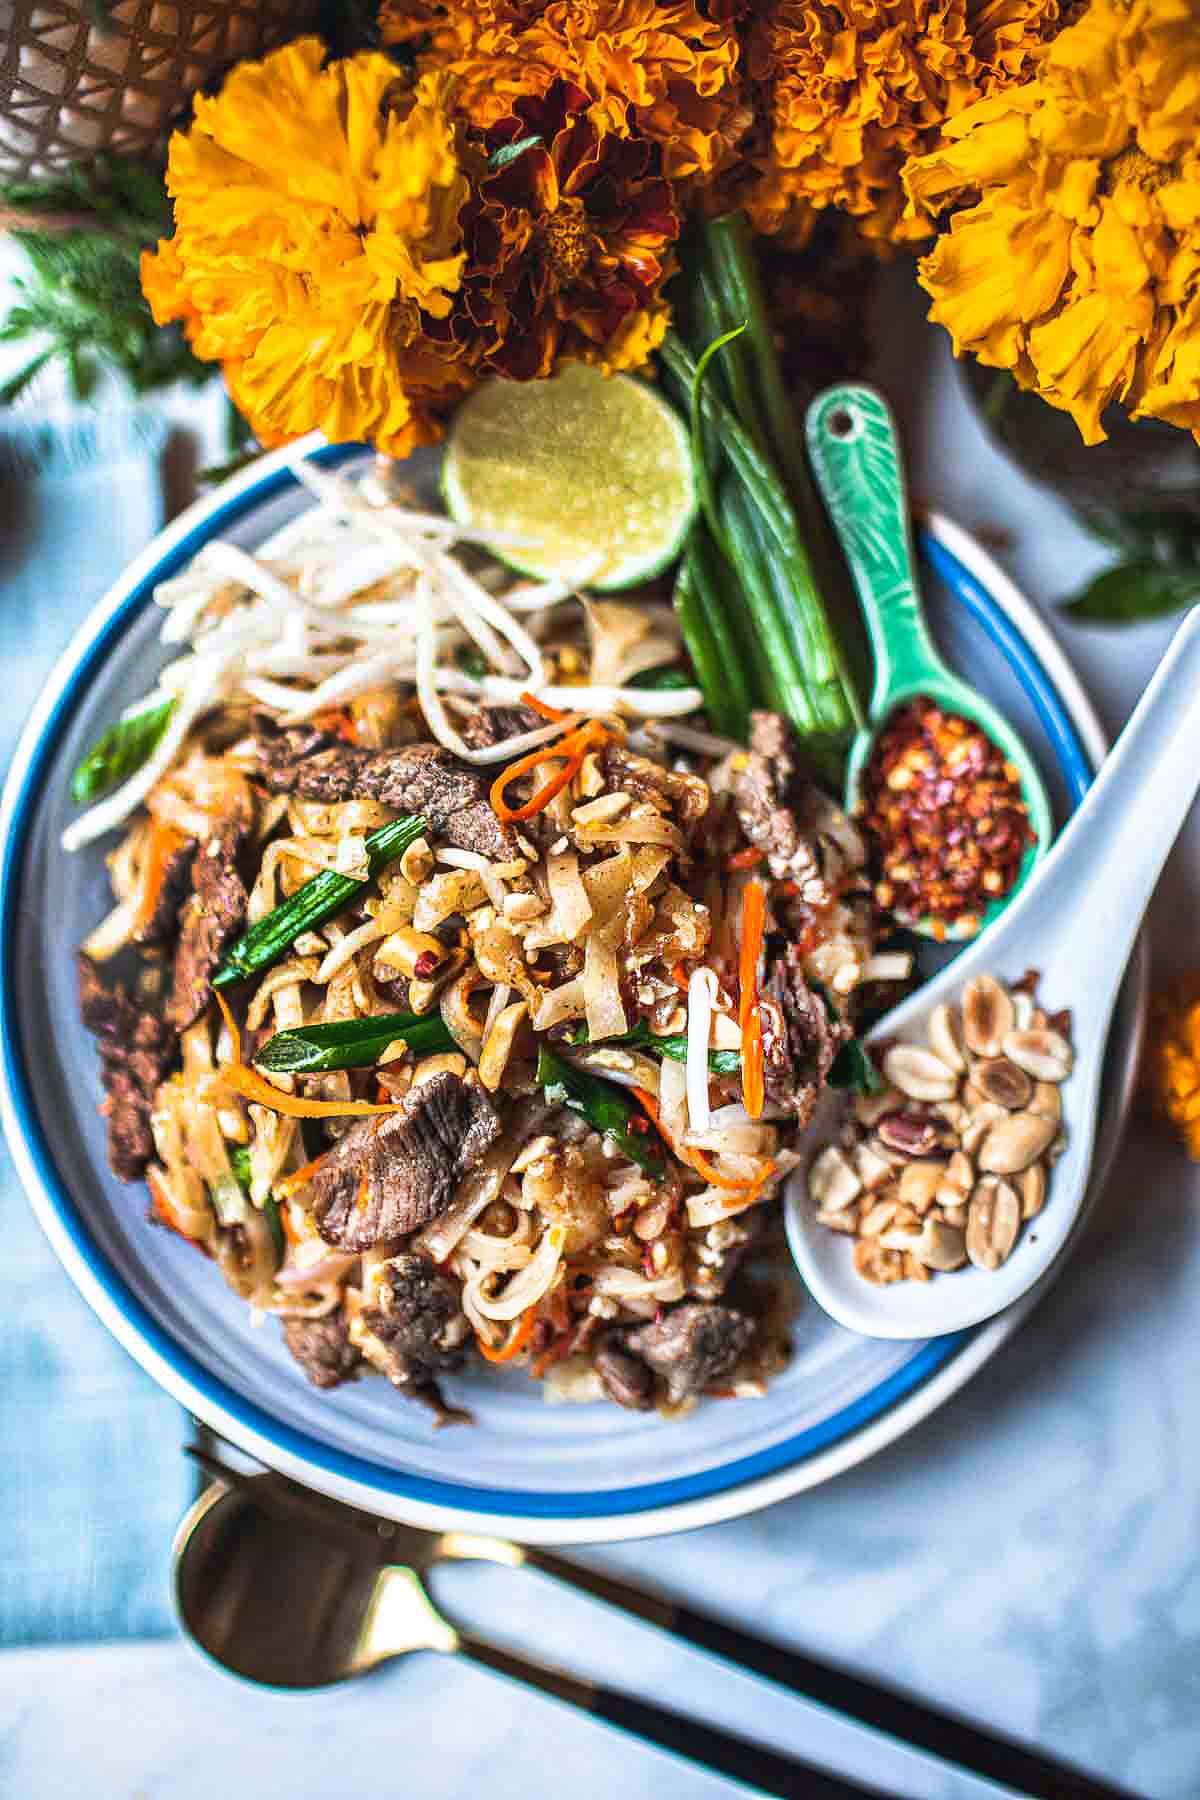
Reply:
x=547 y=1474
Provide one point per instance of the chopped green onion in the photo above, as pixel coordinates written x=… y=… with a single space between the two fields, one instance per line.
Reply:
x=351 y=1043
x=124 y=747
x=239 y=1162
x=327 y=893
x=720 y=1062
x=605 y=1106
x=275 y=1224
x=667 y=678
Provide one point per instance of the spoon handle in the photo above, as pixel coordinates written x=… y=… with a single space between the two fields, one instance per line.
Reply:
x=1095 y=884
x=771 y=1771
x=855 y=452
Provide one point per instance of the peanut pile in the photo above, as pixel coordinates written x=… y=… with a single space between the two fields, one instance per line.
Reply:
x=947 y=1162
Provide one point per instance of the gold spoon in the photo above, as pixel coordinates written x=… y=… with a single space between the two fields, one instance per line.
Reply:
x=284 y=1586
x=291 y=1595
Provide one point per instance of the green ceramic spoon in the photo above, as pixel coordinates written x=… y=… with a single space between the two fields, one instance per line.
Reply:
x=855 y=454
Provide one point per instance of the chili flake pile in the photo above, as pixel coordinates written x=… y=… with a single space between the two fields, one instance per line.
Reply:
x=943 y=811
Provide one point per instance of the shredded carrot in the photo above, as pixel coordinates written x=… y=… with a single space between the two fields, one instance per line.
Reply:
x=753 y=1070
x=253 y=1086
x=745 y=859
x=679 y=977
x=697 y=1158
x=283 y=1190
x=337 y=720
x=553 y=713
x=571 y=750
x=164 y=841
x=165 y=1210
x=512 y=1344
x=754 y=923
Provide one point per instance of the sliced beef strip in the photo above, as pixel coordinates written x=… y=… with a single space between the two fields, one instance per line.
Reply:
x=136 y=1050
x=420 y=778
x=627 y=1379
x=392 y=1174
x=214 y=913
x=323 y=1349
x=800 y=1040
x=773 y=793
x=693 y=1346
x=163 y=922
x=490 y=725
x=645 y=779
x=418 y=1329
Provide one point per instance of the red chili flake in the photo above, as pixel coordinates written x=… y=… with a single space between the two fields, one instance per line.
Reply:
x=425 y=965
x=944 y=816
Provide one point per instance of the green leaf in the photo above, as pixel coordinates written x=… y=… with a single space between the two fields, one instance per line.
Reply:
x=704 y=479
x=16 y=384
x=1149 y=534
x=124 y=747
x=507 y=153
x=854 y=1069
x=1134 y=590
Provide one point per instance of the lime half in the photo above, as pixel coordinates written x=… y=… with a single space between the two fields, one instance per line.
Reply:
x=592 y=473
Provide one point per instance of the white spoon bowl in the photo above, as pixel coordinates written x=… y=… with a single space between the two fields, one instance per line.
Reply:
x=1076 y=922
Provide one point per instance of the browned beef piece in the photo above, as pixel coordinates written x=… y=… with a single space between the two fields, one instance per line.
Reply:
x=420 y=778
x=136 y=1050
x=163 y=922
x=489 y=725
x=627 y=1379
x=392 y=1174
x=770 y=786
x=693 y=1346
x=800 y=1040
x=418 y=1329
x=212 y=916
x=323 y=1349
x=645 y=779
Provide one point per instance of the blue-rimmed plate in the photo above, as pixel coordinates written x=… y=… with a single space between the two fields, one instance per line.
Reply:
x=551 y=1474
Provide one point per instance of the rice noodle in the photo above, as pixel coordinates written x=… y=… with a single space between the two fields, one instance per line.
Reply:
x=527 y=1285
x=476 y=1191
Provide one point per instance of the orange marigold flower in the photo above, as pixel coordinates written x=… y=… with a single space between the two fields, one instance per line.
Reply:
x=658 y=68
x=568 y=239
x=317 y=245
x=847 y=89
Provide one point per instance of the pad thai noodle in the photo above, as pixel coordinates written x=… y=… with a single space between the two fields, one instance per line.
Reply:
x=463 y=997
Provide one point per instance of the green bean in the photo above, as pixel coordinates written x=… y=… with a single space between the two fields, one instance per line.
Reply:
x=606 y=1107
x=327 y=893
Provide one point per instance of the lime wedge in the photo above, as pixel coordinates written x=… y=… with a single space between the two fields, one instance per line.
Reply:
x=589 y=475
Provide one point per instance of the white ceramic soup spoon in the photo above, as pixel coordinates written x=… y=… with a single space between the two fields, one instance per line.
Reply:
x=1076 y=922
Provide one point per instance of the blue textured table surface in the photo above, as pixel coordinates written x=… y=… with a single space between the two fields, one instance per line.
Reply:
x=1027 y=1556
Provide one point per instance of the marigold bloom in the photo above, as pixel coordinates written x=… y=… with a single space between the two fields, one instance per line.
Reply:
x=847 y=89
x=317 y=242
x=658 y=68
x=568 y=240
x=1171 y=1071
x=1073 y=254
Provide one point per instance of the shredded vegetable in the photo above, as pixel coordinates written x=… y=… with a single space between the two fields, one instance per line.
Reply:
x=754 y=917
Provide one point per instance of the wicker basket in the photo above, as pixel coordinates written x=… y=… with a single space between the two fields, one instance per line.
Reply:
x=70 y=87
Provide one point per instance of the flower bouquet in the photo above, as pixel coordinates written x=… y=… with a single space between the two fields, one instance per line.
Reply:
x=371 y=220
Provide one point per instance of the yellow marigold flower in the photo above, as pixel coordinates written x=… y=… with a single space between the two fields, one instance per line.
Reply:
x=317 y=245
x=1073 y=254
x=659 y=68
x=1171 y=1071
x=849 y=88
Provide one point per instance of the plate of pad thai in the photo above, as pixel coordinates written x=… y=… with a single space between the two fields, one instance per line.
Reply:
x=451 y=1003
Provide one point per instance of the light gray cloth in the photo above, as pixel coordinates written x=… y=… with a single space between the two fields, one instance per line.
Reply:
x=91 y=1477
